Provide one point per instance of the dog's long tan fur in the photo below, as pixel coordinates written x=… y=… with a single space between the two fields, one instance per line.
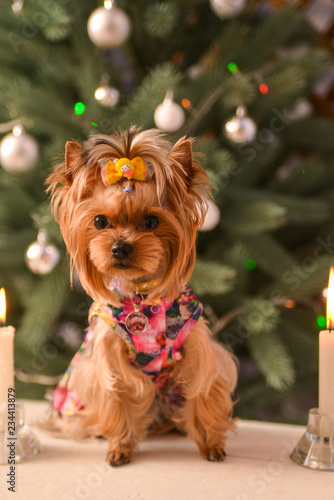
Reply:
x=120 y=401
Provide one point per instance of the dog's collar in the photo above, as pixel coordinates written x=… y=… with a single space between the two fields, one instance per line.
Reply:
x=140 y=288
x=145 y=286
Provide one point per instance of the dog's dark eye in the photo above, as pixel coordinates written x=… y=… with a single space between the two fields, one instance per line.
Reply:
x=150 y=222
x=101 y=222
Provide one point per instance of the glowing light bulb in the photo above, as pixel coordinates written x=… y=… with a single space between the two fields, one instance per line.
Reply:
x=232 y=67
x=250 y=264
x=79 y=108
x=186 y=103
x=263 y=88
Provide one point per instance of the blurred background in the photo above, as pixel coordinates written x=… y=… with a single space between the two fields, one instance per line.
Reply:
x=254 y=82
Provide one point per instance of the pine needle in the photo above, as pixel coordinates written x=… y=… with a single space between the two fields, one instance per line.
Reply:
x=212 y=278
x=43 y=308
x=273 y=360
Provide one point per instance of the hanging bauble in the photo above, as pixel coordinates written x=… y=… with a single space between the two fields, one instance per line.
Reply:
x=77 y=282
x=241 y=128
x=41 y=257
x=227 y=8
x=17 y=6
x=107 y=96
x=108 y=26
x=68 y=334
x=212 y=217
x=169 y=116
x=18 y=151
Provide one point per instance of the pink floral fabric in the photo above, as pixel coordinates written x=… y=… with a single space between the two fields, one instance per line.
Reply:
x=155 y=351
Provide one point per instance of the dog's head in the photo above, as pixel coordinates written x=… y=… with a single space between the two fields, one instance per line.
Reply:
x=138 y=230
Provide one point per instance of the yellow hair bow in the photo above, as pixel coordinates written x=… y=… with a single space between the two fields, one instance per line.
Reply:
x=114 y=170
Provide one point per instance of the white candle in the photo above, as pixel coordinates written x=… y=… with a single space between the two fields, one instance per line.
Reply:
x=6 y=352
x=326 y=355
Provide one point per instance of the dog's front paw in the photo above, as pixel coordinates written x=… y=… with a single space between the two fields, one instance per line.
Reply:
x=115 y=458
x=214 y=454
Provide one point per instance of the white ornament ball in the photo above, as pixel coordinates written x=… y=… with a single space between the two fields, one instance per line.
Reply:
x=18 y=151
x=76 y=282
x=41 y=257
x=241 y=128
x=212 y=217
x=169 y=116
x=107 y=96
x=227 y=8
x=108 y=28
x=70 y=334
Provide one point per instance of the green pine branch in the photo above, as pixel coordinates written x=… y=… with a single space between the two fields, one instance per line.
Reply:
x=273 y=359
x=212 y=278
x=43 y=307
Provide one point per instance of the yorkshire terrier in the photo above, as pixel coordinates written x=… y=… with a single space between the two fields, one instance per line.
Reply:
x=129 y=206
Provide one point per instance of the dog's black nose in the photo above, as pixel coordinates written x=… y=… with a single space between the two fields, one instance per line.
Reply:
x=121 y=250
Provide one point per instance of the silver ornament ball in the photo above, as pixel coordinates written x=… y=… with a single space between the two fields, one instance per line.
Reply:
x=107 y=96
x=76 y=282
x=241 y=128
x=169 y=116
x=42 y=257
x=227 y=8
x=18 y=151
x=70 y=334
x=212 y=217
x=108 y=28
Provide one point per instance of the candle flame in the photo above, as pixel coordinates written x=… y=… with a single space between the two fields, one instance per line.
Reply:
x=330 y=301
x=2 y=306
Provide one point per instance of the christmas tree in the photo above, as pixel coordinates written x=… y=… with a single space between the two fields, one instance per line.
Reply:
x=245 y=78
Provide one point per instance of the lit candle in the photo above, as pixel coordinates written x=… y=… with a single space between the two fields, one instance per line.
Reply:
x=6 y=352
x=326 y=355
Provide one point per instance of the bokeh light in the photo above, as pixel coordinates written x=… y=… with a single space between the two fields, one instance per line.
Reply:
x=321 y=320
x=79 y=108
x=250 y=264
x=263 y=88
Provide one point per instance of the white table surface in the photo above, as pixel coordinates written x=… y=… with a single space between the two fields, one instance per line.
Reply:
x=169 y=467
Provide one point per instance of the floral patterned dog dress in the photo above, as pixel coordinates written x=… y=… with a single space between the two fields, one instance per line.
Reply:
x=155 y=351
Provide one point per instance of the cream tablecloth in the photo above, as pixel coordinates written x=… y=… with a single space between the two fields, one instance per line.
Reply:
x=169 y=467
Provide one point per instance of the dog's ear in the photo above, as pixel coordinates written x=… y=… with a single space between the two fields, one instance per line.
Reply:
x=181 y=155
x=73 y=152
